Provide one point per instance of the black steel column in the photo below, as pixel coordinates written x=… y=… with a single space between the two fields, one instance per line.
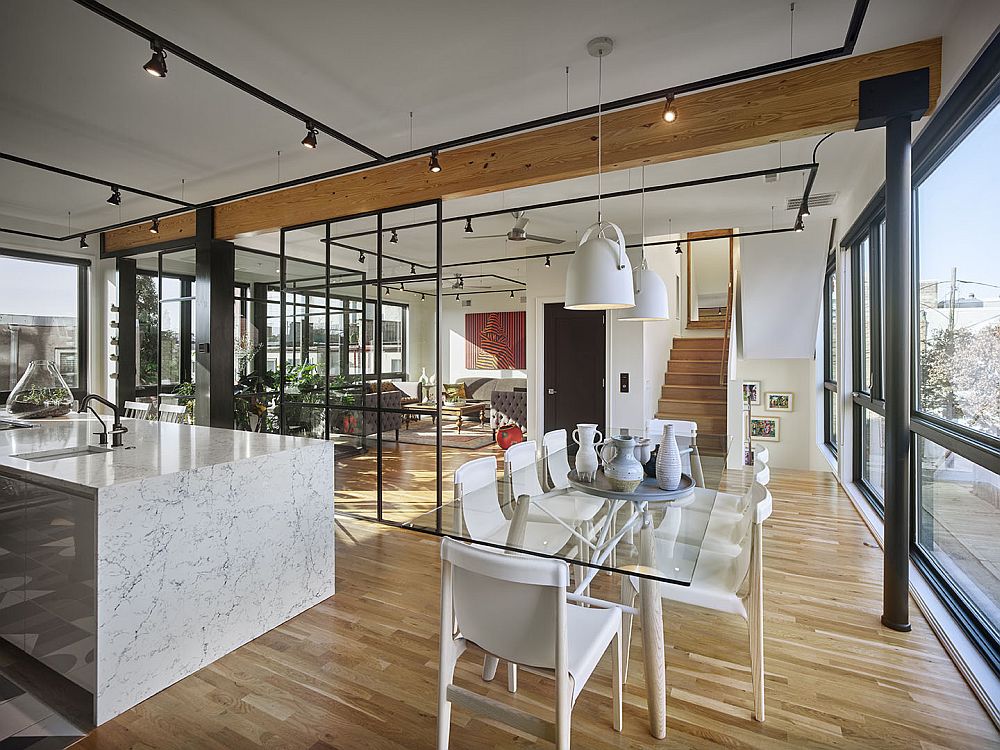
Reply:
x=258 y=318
x=214 y=359
x=126 y=332
x=894 y=102
x=898 y=313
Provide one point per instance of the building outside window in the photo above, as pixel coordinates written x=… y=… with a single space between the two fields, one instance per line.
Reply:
x=42 y=316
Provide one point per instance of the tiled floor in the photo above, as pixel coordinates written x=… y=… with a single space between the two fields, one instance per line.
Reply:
x=26 y=722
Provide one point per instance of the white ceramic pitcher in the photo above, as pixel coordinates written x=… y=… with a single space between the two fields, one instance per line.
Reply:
x=587 y=436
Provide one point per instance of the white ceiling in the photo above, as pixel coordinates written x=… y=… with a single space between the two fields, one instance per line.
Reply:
x=72 y=93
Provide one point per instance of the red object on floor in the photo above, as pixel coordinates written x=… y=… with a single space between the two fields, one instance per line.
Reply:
x=509 y=435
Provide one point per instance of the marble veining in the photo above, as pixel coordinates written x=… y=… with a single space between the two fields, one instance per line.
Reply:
x=193 y=564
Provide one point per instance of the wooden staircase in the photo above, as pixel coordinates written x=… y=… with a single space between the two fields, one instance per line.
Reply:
x=692 y=389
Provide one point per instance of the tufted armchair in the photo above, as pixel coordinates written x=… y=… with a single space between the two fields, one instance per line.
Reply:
x=390 y=420
x=509 y=407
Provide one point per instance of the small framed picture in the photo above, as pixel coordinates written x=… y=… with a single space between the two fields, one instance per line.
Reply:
x=751 y=391
x=779 y=401
x=765 y=428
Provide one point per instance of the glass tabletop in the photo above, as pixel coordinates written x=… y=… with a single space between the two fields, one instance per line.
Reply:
x=531 y=500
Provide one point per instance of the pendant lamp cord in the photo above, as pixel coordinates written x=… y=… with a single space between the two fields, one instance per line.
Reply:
x=642 y=224
x=600 y=142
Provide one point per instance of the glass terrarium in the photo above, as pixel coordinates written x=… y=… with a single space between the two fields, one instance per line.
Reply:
x=41 y=392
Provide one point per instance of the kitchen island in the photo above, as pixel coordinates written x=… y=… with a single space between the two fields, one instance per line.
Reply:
x=127 y=569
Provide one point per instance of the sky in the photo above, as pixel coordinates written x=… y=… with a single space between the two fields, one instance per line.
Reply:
x=957 y=209
x=30 y=288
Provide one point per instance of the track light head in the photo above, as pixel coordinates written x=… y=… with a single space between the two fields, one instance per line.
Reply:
x=669 y=110
x=468 y=226
x=393 y=238
x=157 y=65
x=421 y=296
x=512 y=294
x=799 y=224
x=310 y=140
x=361 y=257
x=154 y=228
x=386 y=291
x=83 y=243
x=457 y=298
x=548 y=261
x=677 y=250
x=434 y=165
x=116 y=197
x=413 y=268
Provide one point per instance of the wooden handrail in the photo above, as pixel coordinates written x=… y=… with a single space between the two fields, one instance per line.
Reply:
x=725 y=332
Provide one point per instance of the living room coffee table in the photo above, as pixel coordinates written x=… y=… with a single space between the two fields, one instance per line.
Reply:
x=460 y=411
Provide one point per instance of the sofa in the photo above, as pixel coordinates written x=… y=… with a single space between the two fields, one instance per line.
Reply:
x=508 y=398
x=388 y=421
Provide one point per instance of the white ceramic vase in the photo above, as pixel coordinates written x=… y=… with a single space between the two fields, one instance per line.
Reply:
x=668 y=461
x=621 y=468
x=587 y=436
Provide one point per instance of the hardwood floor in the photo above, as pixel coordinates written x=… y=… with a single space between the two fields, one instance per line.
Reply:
x=360 y=670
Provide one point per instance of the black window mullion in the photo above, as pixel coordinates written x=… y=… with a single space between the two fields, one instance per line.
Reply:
x=876 y=319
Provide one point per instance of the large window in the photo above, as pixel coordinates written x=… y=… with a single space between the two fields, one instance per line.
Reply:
x=868 y=399
x=830 y=354
x=43 y=315
x=957 y=409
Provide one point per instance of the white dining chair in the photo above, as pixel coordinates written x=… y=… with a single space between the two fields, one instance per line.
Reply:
x=690 y=461
x=723 y=583
x=136 y=410
x=559 y=505
x=477 y=494
x=172 y=413
x=736 y=505
x=516 y=608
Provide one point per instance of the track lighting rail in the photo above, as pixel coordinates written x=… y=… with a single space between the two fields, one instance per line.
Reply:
x=308 y=120
x=95 y=180
x=377 y=159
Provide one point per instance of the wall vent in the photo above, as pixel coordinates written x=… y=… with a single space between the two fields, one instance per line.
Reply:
x=815 y=200
x=466 y=303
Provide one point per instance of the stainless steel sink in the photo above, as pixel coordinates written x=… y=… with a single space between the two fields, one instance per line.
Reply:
x=57 y=453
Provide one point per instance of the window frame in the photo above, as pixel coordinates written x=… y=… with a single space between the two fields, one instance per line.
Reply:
x=829 y=372
x=82 y=312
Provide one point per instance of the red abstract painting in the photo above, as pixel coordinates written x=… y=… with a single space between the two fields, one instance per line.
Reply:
x=495 y=341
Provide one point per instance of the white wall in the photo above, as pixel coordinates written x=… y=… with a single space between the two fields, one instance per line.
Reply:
x=453 y=334
x=781 y=292
x=797 y=448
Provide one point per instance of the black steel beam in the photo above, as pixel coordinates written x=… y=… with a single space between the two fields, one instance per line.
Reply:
x=90 y=178
x=175 y=49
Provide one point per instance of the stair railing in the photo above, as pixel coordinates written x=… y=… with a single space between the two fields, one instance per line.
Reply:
x=725 y=335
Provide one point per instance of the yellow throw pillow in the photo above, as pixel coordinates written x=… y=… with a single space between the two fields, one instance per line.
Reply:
x=454 y=392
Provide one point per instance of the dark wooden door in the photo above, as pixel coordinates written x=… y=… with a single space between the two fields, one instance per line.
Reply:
x=574 y=367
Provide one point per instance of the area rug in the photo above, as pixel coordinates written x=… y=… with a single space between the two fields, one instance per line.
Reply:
x=424 y=433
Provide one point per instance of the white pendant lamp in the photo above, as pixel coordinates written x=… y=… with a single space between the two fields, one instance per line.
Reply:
x=600 y=275
x=650 y=291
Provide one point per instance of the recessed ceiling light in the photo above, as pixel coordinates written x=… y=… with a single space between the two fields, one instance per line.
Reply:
x=157 y=65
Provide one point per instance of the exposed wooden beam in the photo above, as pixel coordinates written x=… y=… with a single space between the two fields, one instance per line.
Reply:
x=809 y=101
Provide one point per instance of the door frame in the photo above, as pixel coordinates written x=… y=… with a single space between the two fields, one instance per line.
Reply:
x=536 y=405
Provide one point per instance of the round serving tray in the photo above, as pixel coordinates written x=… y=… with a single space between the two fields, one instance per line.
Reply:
x=646 y=491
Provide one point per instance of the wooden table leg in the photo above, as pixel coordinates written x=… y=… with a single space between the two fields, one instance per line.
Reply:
x=460 y=424
x=651 y=617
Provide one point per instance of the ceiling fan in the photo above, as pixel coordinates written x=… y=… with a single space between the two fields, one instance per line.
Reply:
x=517 y=232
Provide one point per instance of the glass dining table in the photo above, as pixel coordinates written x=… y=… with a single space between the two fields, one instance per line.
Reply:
x=540 y=507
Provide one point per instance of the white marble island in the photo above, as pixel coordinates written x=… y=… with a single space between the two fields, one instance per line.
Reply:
x=145 y=563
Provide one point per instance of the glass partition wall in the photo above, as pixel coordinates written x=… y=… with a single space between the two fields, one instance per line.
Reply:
x=357 y=300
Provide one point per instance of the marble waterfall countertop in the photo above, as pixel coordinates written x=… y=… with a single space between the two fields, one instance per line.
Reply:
x=151 y=449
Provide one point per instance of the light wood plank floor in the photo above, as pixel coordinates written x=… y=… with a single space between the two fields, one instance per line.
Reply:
x=360 y=670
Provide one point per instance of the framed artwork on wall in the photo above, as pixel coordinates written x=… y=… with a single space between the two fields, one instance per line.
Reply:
x=765 y=428
x=751 y=390
x=779 y=401
x=495 y=341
